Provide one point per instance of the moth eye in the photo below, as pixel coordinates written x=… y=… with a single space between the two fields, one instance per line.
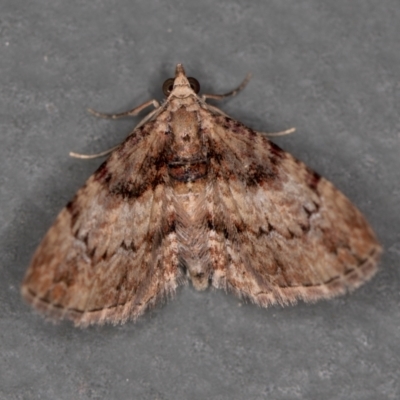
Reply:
x=194 y=84
x=167 y=86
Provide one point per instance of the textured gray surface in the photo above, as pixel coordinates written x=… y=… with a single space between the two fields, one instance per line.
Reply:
x=329 y=68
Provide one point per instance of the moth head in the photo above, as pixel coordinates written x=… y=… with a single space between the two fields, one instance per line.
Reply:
x=181 y=86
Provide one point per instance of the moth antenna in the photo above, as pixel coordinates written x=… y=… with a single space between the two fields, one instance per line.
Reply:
x=91 y=156
x=232 y=93
x=130 y=113
x=281 y=133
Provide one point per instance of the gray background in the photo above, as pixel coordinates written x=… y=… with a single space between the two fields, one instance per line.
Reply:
x=329 y=68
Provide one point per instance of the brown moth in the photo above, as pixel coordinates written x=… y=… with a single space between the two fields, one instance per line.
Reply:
x=192 y=193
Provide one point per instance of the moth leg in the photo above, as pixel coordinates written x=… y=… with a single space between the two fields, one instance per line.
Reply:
x=130 y=113
x=233 y=92
x=281 y=133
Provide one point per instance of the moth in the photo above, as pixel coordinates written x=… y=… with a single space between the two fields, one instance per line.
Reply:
x=192 y=194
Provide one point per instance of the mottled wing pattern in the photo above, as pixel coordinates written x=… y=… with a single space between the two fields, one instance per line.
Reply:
x=112 y=251
x=280 y=232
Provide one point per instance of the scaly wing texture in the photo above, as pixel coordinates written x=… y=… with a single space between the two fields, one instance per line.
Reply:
x=279 y=232
x=112 y=250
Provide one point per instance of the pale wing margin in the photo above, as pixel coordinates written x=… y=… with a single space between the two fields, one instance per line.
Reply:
x=280 y=232
x=112 y=251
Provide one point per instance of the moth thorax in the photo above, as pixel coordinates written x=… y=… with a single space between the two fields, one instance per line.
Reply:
x=187 y=154
x=185 y=130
